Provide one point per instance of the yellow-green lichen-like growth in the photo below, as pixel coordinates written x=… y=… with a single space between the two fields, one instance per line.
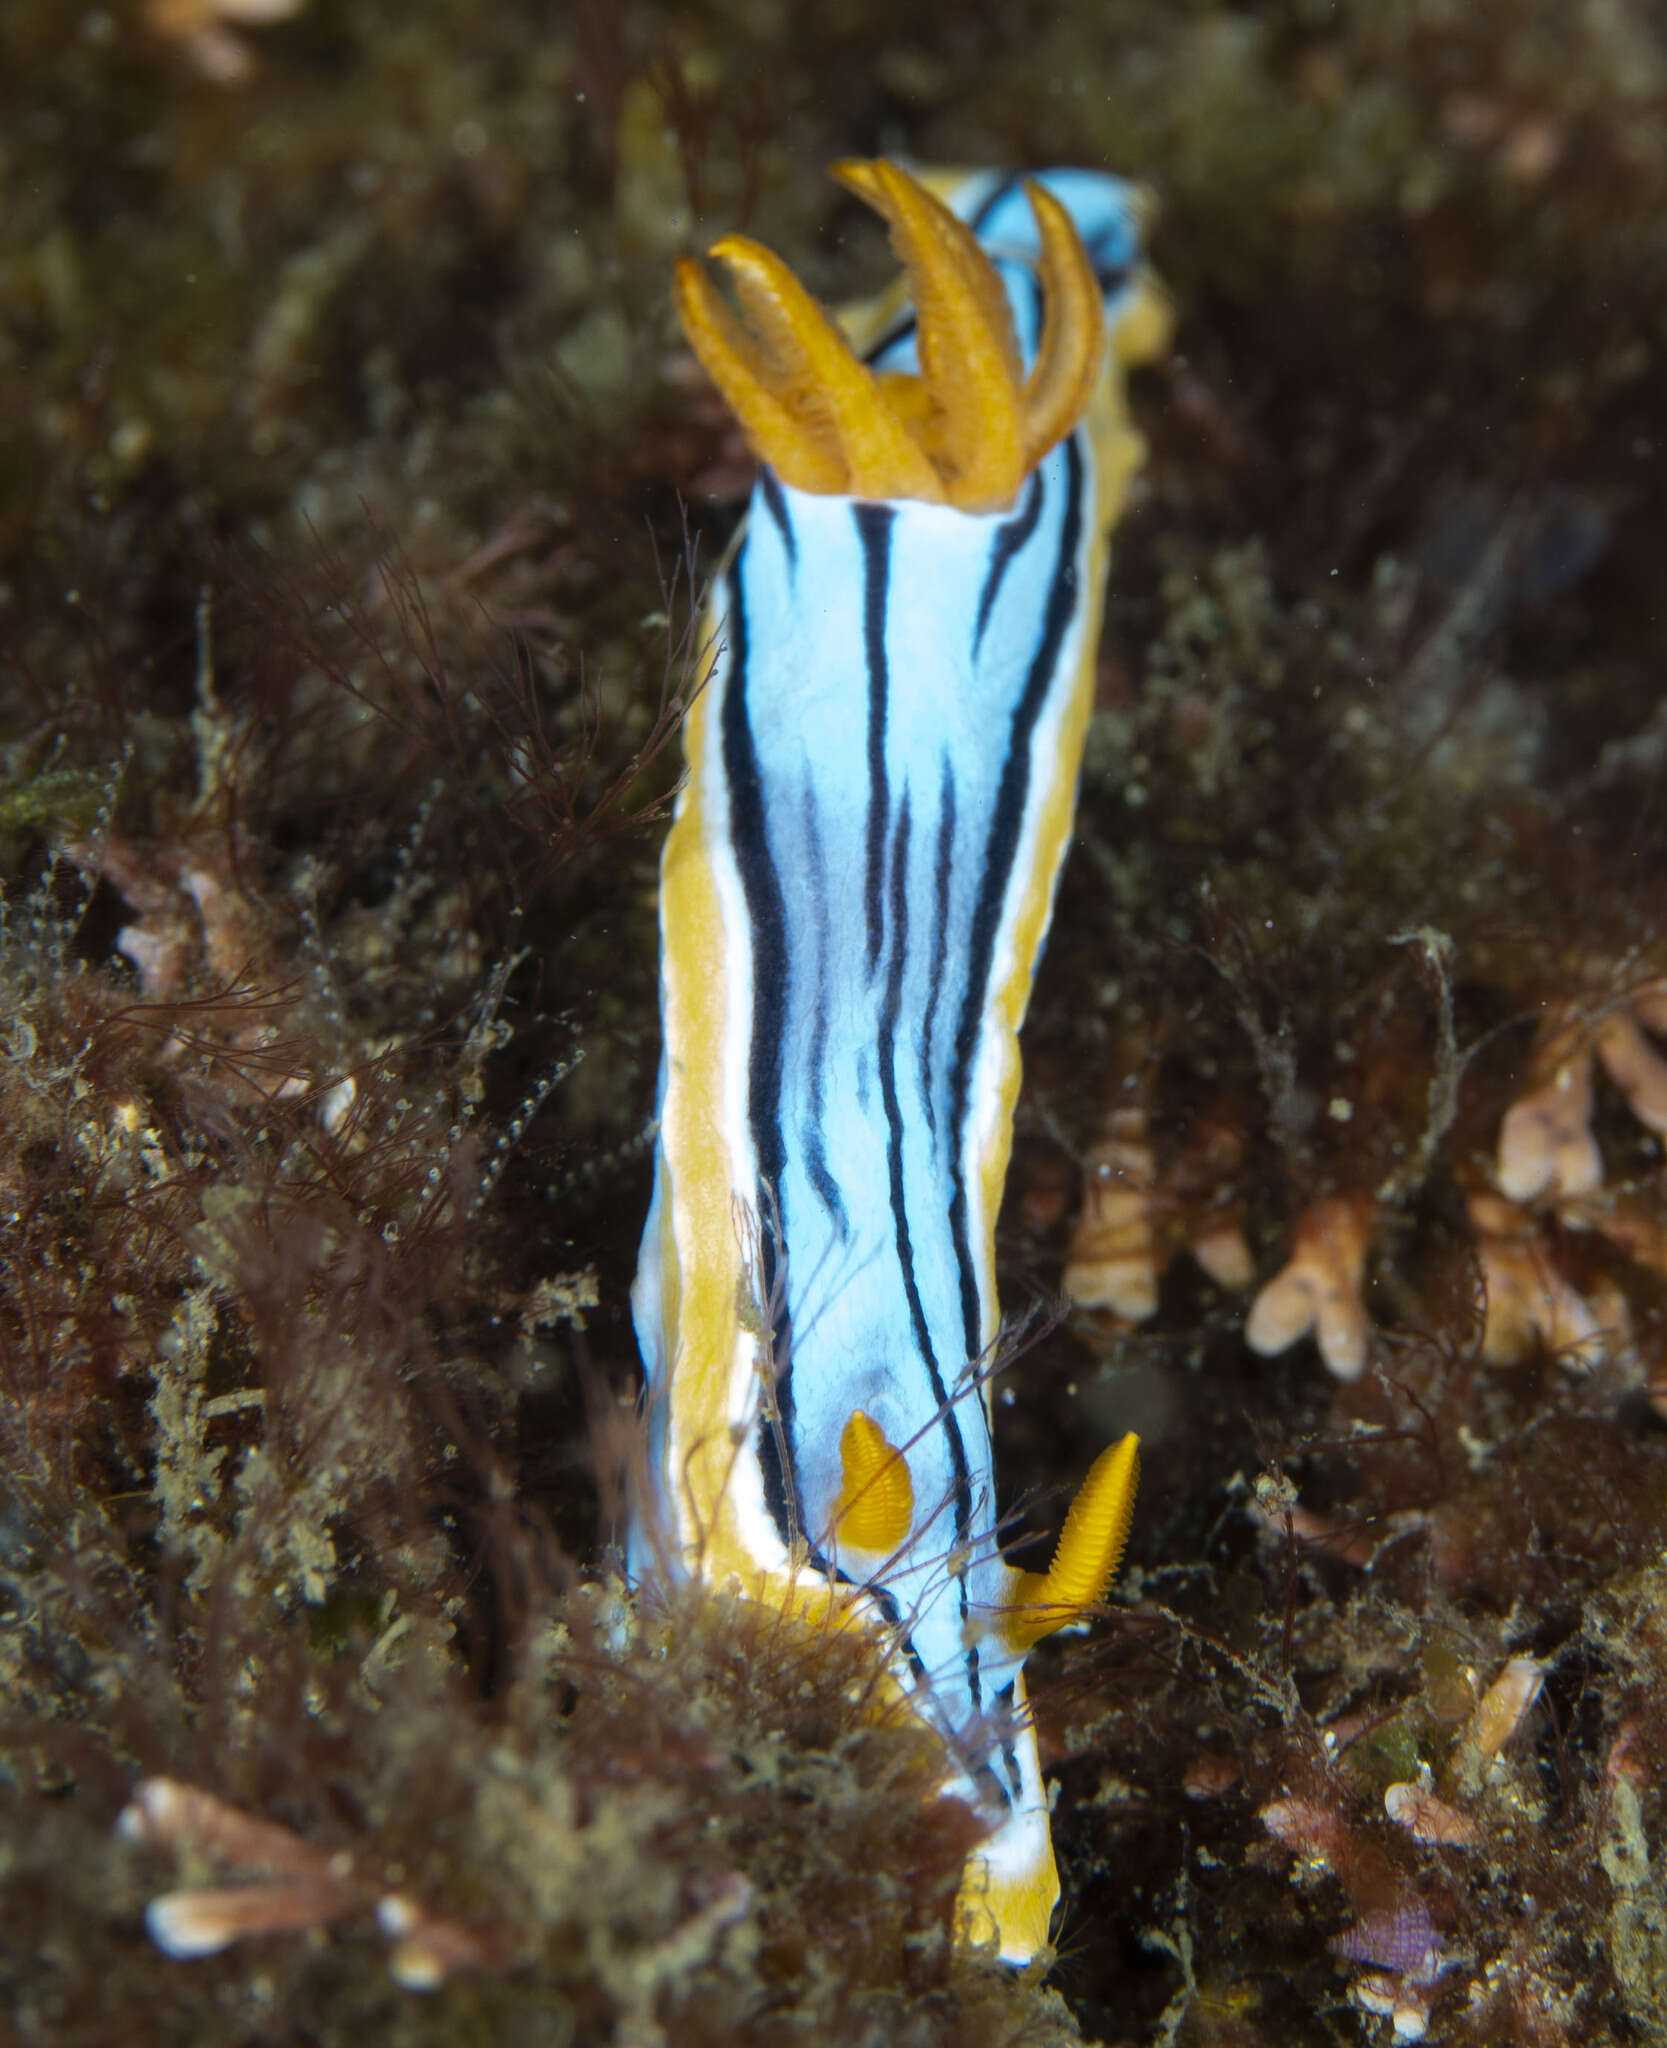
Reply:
x=971 y=426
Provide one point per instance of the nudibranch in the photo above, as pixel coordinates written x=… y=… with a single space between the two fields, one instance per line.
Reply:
x=882 y=773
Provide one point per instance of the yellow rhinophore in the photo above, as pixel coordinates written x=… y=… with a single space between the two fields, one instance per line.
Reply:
x=971 y=426
x=877 y=1493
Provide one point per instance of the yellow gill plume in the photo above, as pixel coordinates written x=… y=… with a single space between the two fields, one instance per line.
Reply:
x=1090 y=1549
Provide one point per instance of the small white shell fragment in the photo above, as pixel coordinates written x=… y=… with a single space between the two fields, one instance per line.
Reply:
x=1428 y=1818
x=1505 y=1703
x=1113 y=1259
x=1546 y=1147
x=1318 y=1289
x=189 y=1924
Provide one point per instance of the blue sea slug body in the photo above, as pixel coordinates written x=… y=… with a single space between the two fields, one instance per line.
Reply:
x=882 y=774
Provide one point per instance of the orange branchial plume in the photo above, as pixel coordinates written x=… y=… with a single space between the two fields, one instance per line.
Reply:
x=1089 y=1550
x=971 y=426
x=877 y=1494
